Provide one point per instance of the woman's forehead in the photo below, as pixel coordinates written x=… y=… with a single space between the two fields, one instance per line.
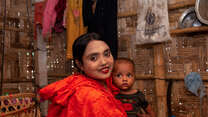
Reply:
x=96 y=46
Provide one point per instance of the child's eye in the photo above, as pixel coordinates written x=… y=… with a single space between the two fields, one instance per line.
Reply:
x=118 y=75
x=129 y=75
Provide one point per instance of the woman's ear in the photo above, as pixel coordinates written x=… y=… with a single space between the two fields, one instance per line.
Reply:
x=79 y=64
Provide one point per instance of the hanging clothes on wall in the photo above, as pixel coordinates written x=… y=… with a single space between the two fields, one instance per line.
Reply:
x=75 y=26
x=53 y=16
x=102 y=21
x=60 y=9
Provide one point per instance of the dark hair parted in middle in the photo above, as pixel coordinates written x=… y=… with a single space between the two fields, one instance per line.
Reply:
x=81 y=43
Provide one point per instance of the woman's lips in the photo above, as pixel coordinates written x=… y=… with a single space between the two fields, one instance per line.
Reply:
x=105 y=70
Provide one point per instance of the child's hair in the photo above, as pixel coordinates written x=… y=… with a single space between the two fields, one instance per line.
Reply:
x=80 y=45
x=123 y=59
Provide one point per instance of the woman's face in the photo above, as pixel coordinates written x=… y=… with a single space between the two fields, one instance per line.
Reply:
x=97 y=61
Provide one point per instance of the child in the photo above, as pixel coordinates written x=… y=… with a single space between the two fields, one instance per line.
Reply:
x=85 y=95
x=133 y=100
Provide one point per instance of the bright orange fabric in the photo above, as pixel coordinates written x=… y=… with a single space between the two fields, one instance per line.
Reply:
x=78 y=96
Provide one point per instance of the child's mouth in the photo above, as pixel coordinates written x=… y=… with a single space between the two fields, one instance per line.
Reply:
x=125 y=85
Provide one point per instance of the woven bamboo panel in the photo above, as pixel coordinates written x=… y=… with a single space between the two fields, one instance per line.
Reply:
x=143 y=58
x=125 y=46
x=56 y=55
x=19 y=105
x=186 y=104
x=148 y=89
x=189 y=49
x=127 y=12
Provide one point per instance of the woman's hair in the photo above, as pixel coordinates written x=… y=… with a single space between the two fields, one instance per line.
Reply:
x=81 y=43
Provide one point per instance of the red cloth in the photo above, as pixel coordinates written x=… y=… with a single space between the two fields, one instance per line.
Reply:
x=112 y=87
x=78 y=96
x=39 y=8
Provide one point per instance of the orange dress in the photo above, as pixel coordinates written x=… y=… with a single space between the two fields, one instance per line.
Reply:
x=74 y=24
x=79 y=96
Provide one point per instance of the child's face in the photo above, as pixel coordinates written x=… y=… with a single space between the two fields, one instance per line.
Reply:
x=97 y=60
x=123 y=75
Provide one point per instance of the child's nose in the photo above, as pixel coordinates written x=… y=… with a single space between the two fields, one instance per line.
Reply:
x=125 y=78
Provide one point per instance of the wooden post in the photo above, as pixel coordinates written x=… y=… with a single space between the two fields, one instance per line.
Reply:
x=41 y=63
x=160 y=84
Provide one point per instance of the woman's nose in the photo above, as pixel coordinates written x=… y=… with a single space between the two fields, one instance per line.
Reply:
x=103 y=61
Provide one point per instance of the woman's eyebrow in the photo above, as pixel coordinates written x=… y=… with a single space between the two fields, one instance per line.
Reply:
x=107 y=50
x=93 y=54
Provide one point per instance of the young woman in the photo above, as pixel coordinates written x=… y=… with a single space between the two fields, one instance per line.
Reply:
x=86 y=94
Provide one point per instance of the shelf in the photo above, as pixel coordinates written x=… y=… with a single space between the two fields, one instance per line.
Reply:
x=189 y=30
x=14 y=29
x=145 y=77
x=181 y=4
x=17 y=17
x=17 y=81
x=181 y=76
x=127 y=14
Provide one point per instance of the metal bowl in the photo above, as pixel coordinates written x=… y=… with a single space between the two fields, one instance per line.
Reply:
x=189 y=19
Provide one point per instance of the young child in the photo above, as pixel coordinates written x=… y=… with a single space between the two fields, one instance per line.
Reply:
x=85 y=94
x=133 y=100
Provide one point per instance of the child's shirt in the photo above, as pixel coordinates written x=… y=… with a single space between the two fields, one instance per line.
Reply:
x=133 y=103
x=79 y=96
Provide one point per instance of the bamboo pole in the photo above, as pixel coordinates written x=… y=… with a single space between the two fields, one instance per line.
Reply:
x=41 y=63
x=160 y=85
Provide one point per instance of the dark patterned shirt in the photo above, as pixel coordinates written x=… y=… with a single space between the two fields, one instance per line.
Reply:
x=133 y=103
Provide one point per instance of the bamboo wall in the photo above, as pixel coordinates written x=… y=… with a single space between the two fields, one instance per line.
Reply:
x=185 y=53
x=157 y=65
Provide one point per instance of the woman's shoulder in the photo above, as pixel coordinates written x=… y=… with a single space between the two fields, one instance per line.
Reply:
x=90 y=91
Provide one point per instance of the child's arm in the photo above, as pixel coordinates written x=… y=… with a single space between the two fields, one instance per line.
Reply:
x=150 y=112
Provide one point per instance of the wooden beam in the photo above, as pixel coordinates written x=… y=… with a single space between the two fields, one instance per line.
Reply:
x=181 y=4
x=189 y=30
x=160 y=85
x=127 y=14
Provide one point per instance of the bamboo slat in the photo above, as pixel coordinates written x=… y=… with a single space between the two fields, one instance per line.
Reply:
x=181 y=4
x=127 y=14
x=189 y=30
x=144 y=77
x=14 y=29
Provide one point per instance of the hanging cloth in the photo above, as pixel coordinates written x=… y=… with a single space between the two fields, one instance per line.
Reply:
x=75 y=26
x=103 y=21
x=49 y=16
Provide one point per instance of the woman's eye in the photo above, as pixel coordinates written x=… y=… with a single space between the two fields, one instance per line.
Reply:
x=93 y=58
x=107 y=53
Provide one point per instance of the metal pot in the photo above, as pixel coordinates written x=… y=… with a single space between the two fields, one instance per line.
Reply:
x=201 y=10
